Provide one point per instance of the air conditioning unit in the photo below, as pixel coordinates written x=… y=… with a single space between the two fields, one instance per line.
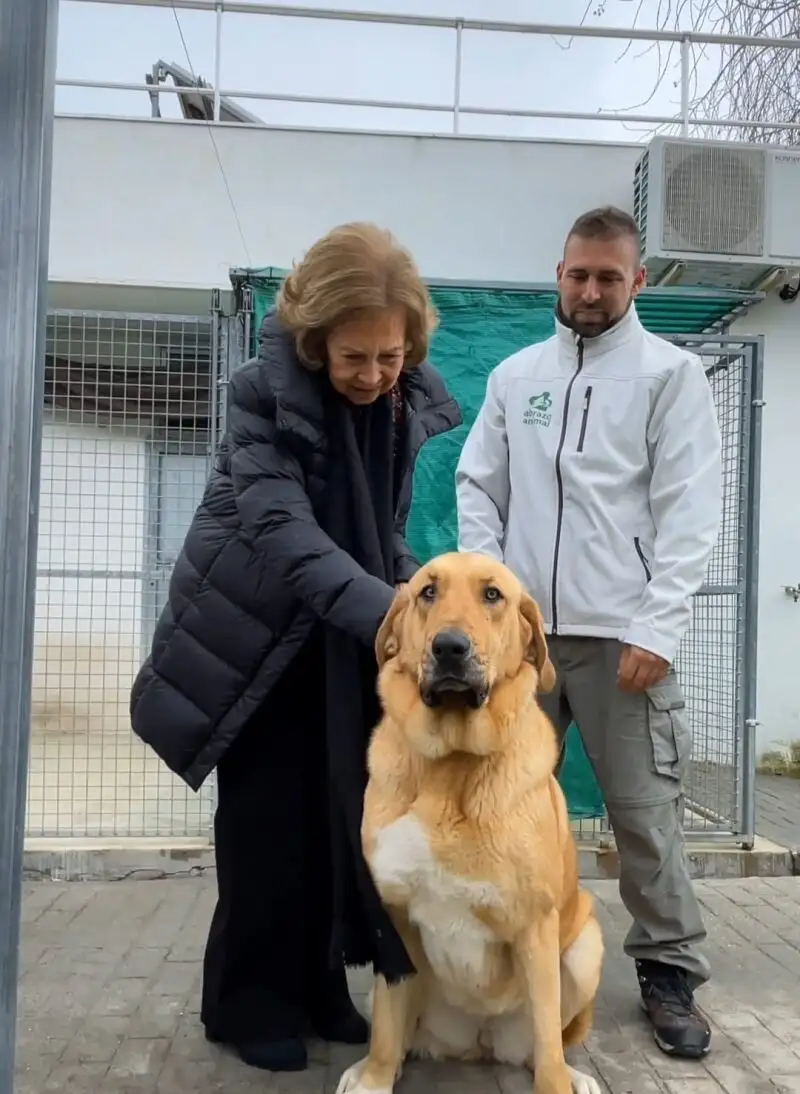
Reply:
x=718 y=213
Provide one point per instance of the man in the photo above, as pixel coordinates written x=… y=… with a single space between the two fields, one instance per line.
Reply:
x=593 y=471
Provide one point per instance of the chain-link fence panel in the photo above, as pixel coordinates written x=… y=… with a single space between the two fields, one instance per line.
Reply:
x=134 y=406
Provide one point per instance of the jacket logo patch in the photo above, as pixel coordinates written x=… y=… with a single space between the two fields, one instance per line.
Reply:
x=538 y=410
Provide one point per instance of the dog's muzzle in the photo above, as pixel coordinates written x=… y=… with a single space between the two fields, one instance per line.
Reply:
x=452 y=672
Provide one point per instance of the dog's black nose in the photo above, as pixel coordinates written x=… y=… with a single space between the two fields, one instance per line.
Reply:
x=450 y=646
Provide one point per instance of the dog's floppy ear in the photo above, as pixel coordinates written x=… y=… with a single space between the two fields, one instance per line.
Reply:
x=536 y=651
x=387 y=643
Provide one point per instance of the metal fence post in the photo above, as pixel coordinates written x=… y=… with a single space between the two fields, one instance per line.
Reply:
x=214 y=432
x=247 y=347
x=750 y=652
x=217 y=62
x=457 y=77
x=28 y=31
x=686 y=60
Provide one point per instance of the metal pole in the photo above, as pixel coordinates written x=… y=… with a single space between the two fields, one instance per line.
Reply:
x=457 y=85
x=217 y=62
x=750 y=638
x=28 y=31
x=686 y=57
x=449 y=22
x=216 y=321
x=440 y=108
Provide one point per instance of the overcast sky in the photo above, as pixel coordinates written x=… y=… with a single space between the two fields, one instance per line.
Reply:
x=352 y=60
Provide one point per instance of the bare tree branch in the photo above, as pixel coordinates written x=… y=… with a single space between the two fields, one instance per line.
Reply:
x=760 y=86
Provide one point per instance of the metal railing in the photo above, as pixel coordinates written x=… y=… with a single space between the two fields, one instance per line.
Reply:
x=456 y=108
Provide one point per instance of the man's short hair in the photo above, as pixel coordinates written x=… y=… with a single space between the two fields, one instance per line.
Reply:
x=606 y=222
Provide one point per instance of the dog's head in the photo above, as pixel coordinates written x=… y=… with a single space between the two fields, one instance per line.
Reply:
x=460 y=628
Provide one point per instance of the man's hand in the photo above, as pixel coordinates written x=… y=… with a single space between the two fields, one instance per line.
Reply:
x=639 y=669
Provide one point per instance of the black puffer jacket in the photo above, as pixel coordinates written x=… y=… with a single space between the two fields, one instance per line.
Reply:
x=256 y=569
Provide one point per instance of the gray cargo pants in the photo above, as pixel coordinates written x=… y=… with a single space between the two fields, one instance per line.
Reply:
x=639 y=746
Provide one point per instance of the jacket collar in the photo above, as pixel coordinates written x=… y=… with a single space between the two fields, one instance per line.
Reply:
x=623 y=331
x=298 y=391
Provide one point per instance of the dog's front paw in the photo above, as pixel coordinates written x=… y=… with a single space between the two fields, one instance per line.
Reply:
x=352 y=1082
x=583 y=1083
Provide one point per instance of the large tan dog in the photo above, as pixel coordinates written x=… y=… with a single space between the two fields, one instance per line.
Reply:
x=467 y=836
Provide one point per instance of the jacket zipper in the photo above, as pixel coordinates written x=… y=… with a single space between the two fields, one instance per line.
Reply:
x=560 y=483
x=587 y=398
x=642 y=559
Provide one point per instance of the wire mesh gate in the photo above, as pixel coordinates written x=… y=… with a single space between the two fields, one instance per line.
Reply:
x=133 y=407
x=716 y=662
x=129 y=406
x=717 y=659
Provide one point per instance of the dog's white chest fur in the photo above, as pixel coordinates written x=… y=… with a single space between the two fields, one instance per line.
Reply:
x=460 y=948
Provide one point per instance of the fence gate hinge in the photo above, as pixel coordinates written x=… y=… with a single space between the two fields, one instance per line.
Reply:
x=759 y=402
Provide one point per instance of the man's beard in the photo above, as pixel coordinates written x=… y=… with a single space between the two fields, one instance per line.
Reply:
x=590 y=322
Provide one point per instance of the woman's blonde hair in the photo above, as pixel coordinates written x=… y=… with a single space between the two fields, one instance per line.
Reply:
x=353 y=269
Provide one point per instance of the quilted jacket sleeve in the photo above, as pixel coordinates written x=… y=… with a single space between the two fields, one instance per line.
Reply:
x=276 y=513
x=405 y=565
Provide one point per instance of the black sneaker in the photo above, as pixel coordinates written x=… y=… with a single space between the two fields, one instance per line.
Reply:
x=679 y=1027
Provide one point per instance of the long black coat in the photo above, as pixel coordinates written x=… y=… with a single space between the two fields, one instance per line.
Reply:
x=256 y=570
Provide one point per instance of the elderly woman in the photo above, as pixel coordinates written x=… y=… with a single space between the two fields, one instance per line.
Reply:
x=262 y=663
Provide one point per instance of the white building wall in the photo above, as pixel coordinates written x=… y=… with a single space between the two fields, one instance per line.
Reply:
x=152 y=219
x=154 y=209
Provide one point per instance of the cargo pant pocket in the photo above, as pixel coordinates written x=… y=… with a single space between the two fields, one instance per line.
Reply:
x=668 y=725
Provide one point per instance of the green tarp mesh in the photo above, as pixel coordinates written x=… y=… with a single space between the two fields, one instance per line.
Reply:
x=477 y=329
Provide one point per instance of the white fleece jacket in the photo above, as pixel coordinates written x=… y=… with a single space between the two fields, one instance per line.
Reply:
x=593 y=471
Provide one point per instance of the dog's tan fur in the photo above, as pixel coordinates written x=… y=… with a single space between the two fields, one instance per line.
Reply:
x=467 y=836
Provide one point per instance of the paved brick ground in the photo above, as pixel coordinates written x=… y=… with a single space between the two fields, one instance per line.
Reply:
x=109 y=1001
x=778 y=810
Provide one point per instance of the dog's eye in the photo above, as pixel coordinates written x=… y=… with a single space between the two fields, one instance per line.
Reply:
x=491 y=594
x=428 y=593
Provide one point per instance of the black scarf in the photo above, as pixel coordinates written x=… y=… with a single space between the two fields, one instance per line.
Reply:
x=360 y=507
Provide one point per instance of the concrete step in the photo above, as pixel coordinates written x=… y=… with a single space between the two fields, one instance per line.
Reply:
x=706 y=860
x=149 y=859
